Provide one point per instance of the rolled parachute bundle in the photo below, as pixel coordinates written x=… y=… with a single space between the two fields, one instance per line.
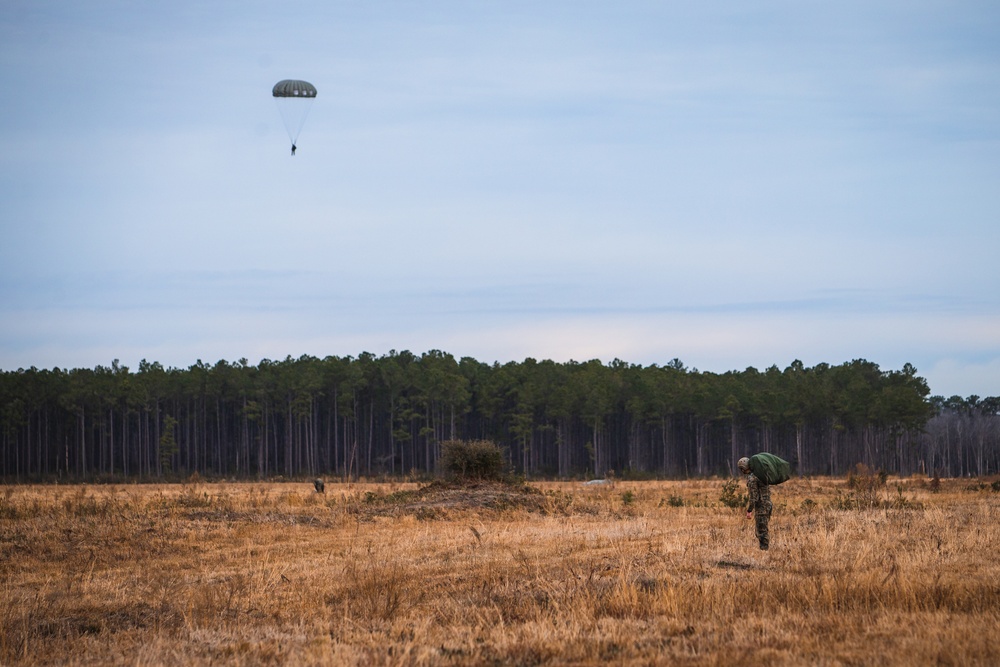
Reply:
x=769 y=468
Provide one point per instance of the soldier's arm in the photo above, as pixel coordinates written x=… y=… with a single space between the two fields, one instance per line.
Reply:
x=751 y=493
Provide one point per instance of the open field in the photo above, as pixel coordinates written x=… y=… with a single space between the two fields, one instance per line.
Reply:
x=638 y=573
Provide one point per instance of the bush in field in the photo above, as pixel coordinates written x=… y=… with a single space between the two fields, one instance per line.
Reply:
x=936 y=482
x=866 y=492
x=863 y=478
x=865 y=485
x=730 y=496
x=472 y=459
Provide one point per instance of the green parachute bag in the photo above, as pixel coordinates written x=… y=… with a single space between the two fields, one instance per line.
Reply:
x=770 y=468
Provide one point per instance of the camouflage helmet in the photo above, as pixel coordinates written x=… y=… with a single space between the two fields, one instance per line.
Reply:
x=743 y=464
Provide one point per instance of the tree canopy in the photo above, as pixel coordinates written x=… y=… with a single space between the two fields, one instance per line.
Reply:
x=369 y=415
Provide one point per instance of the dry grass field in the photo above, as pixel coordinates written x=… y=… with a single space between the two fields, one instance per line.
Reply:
x=642 y=573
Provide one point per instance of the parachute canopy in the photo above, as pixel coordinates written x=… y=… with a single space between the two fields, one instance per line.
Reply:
x=294 y=99
x=293 y=88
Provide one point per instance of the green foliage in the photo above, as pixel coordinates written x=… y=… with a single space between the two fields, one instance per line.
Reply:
x=730 y=496
x=168 y=444
x=472 y=459
x=675 y=501
x=371 y=416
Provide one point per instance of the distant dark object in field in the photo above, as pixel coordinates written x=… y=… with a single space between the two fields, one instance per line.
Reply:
x=734 y=565
x=320 y=486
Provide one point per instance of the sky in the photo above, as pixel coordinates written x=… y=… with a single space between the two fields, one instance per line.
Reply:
x=730 y=184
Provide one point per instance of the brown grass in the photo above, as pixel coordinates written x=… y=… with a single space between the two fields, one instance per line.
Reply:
x=632 y=574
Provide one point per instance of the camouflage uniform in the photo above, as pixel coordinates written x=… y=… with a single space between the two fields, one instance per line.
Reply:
x=760 y=503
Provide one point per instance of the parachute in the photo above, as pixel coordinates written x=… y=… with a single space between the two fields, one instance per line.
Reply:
x=770 y=468
x=294 y=99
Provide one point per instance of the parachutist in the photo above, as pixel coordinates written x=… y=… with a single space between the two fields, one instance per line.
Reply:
x=293 y=98
x=759 y=492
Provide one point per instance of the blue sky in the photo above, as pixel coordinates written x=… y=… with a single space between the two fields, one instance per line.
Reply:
x=733 y=184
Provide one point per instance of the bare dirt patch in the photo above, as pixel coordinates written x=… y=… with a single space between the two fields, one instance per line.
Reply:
x=440 y=498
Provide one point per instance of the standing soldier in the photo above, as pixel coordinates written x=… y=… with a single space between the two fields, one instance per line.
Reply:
x=760 y=501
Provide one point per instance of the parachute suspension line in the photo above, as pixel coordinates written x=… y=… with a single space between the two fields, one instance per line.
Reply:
x=293 y=115
x=302 y=122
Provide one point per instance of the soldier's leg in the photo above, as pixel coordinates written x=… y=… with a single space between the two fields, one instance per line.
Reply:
x=763 y=515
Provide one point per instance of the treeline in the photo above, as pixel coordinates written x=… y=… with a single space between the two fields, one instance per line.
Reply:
x=368 y=416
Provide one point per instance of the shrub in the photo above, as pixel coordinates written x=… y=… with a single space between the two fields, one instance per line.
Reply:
x=472 y=459
x=864 y=484
x=730 y=497
x=901 y=502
